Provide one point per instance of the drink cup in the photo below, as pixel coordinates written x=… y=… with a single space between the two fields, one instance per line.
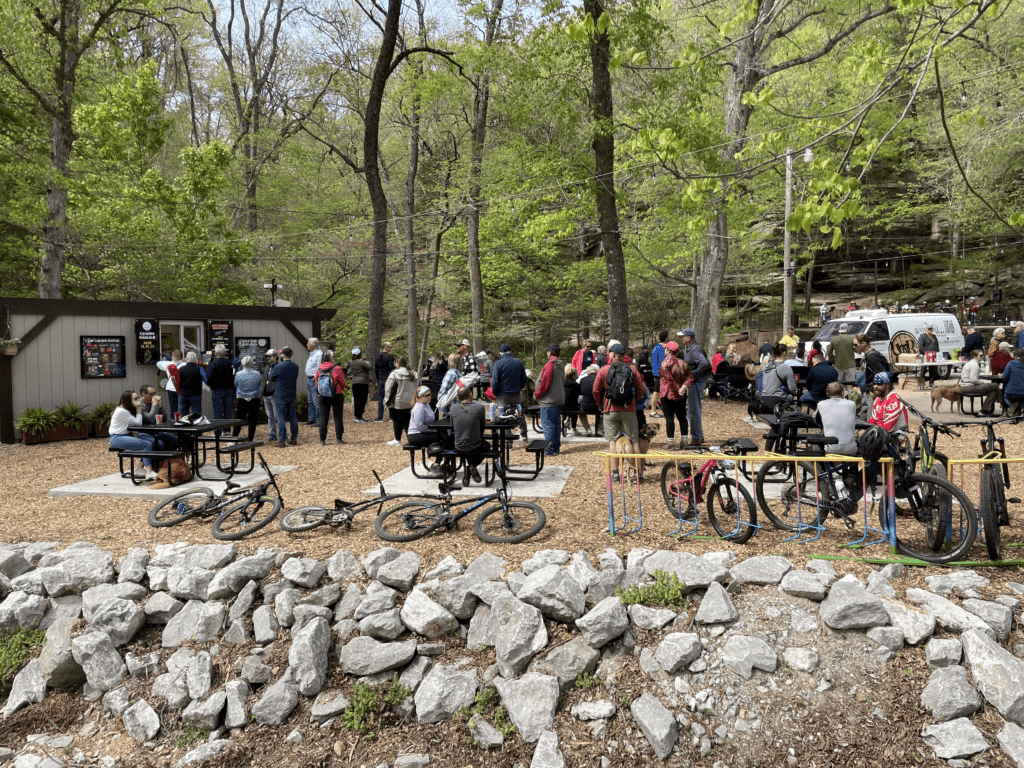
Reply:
x=159 y=418
x=177 y=415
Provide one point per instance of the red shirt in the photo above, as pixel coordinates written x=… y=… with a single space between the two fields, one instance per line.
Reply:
x=607 y=406
x=889 y=412
x=337 y=374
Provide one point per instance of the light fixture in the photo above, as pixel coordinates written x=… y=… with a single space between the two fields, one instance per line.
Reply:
x=808 y=155
x=963 y=94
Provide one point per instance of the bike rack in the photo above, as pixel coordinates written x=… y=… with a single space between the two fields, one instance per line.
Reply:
x=678 y=532
x=639 y=520
x=992 y=457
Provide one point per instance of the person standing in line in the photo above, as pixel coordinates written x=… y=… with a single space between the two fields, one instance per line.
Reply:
x=267 y=393
x=191 y=378
x=928 y=345
x=587 y=402
x=312 y=364
x=675 y=379
x=841 y=355
x=572 y=398
x=360 y=372
x=399 y=392
x=449 y=384
x=550 y=396
x=1018 y=341
x=170 y=368
x=508 y=378
x=221 y=378
x=658 y=355
x=972 y=341
x=286 y=378
x=247 y=392
x=700 y=368
x=382 y=368
x=584 y=357
x=1013 y=383
x=334 y=401
x=790 y=340
x=619 y=418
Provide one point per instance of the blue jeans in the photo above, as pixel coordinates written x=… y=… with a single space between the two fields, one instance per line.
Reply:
x=268 y=406
x=223 y=400
x=191 y=404
x=380 y=401
x=313 y=397
x=129 y=443
x=172 y=400
x=551 y=423
x=285 y=411
x=693 y=412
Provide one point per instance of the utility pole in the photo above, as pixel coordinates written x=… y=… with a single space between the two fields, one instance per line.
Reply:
x=787 y=281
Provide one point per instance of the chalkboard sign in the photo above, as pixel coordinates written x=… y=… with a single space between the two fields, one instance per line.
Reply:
x=147 y=342
x=219 y=332
x=102 y=357
x=256 y=348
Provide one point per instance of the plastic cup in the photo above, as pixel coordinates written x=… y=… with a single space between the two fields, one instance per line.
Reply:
x=159 y=418
x=177 y=415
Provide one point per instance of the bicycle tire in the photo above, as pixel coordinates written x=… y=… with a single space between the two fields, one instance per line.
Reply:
x=180 y=507
x=524 y=519
x=677 y=488
x=784 y=509
x=305 y=519
x=944 y=535
x=239 y=521
x=730 y=521
x=988 y=513
x=416 y=524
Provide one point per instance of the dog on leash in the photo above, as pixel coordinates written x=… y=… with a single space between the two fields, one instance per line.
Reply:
x=947 y=393
x=622 y=445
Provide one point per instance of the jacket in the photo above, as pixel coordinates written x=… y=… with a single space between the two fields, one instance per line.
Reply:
x=360 y=370
x=550 y=389
x=697 y=362
x=508 y=377
x=399 y=379
x=337 y=374
x=220 y=374
x=191 y=378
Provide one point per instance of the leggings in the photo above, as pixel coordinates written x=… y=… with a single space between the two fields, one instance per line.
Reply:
x=400 y=420
x=674 y=409
x=248 y=411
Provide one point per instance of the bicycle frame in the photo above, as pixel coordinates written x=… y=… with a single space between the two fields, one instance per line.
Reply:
x=704 y=473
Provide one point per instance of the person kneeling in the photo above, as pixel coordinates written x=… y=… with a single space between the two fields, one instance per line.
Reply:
x=468 y=421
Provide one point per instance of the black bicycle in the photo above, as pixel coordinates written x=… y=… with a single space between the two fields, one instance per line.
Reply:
x=240 y=511
x=507 y=522
x=341 y=515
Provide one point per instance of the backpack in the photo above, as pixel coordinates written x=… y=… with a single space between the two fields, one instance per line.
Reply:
x=618 y=387
x=325 y=384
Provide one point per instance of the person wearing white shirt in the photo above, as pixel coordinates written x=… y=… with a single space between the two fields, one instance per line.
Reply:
x=312 y=363
x=170 y=369
x=125 y=416
x=971 y=383
x=839 y=419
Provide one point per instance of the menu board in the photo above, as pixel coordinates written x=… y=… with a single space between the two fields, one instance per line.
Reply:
x=147 y=342
x=102 y=357
x=256 y=348
x=219 y=332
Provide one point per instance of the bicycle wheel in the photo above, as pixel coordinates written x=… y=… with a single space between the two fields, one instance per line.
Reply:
x=732 y=511
x=245 y=517
x=937 y=524
x=407 y=521
x=988 y=512
x=797 y=500
x=180 y=507
x=305 y=519
x=677 y=489
x=517 y=522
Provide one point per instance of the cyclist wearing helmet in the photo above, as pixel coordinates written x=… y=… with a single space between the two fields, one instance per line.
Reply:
x=889 y=412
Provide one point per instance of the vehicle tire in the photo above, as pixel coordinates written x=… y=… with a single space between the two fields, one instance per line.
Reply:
x=522 y=521
x=988 y=511
x=936 y=523
x=732 y=511
x=408 y=521
x=677 y=489
x=180 y=507
x=246 y=517
x=305 y=519
x=790 y=509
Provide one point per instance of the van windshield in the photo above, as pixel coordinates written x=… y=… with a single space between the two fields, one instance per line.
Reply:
x=831 y=329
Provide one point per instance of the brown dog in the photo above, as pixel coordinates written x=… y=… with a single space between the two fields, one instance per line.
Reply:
x=623 y=446
x=947 y=393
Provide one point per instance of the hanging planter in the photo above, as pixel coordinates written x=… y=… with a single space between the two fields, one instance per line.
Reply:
x=10 y=346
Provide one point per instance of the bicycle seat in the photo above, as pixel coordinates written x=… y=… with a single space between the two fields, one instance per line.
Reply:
x=740 y=444
x=446 y=488
x=821 y=440
x=229 y=486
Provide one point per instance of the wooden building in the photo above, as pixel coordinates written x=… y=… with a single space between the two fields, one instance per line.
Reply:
x=91 y=351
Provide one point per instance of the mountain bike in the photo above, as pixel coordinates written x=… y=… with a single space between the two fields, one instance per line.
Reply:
x=507 y=522
x=923 y=456
x=343 y=513
x=240 y=511
x=731 y=509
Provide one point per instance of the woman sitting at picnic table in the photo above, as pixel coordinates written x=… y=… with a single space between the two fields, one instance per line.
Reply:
x=419 y=433
x=125 y=416
x=468 y=421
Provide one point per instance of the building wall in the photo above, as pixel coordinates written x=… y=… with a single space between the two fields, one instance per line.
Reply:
x=47 y=372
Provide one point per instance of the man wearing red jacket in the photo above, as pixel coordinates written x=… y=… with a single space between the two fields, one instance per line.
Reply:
x=619 y=420
x=550 y=396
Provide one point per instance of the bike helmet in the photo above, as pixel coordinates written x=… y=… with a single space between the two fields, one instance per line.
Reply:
x=872 y=443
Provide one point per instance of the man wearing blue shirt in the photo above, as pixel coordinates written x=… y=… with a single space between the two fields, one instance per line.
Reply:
x=657 y=358
x=285 y=377
x=312 y=363
x=1019 y=342
x=508 y=377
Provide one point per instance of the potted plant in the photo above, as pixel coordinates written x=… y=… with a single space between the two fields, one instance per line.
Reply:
x=35 y=424
x=10 y=346
x=71 y=422
x=100 y=417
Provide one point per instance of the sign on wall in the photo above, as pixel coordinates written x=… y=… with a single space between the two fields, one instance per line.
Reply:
x=147 y=342
x=102 y=357
x=219 y=332
x=255 y=347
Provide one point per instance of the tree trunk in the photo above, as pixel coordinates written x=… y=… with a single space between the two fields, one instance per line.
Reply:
x=410 y=232
x=438 y=236
x=602 y=110
x=55 y=227
x=375 y=97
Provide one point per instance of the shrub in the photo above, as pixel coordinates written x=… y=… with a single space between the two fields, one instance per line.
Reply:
x=16 y=648
x=666 y=591
x=71 y=415
x=36 y=421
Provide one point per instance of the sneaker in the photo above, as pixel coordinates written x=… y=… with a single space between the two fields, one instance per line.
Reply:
x=151 y=475
x=280 y=445
x=293 y=442
x=670 y=445
x=435 y=471
x=323 y=442
x=378 y=421
x=657 y=416
x=696 y=441
x=340 y=441
x=394 y=442
x=589 y=433
x=475 y=474
x=576 y=432
x=360 y=421
x=615 y=475
x=465 y=477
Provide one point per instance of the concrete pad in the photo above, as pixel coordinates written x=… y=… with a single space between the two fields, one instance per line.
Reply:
x=117 y=486
x=549 y=483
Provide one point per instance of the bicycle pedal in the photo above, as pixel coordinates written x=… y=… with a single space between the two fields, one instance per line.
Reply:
x=1013 y=500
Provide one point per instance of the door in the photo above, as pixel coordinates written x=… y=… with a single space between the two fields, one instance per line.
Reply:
x=188 y=337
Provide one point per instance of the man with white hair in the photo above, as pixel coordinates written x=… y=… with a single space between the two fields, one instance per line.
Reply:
x=1018 y=328
x=312 y=363
x=190 y=387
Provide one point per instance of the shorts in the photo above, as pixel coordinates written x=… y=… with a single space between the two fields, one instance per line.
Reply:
x=619 y=423
x=847 y=375
x=651 y=382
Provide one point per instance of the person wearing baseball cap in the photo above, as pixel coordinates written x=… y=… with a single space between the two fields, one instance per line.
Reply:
x=619 y=417
x=469 y=363
x=508 y=378
x=267 y=393
x=360 y=373
x=285 y=377
x=550 y=396
x=700 y=369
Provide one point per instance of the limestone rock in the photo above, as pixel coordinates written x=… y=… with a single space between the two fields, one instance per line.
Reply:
x=656 y=723
x=554 y=592
x=203 y=752
x=378 y=598
x=425 y=617
x=303 y=571
x=161 y=608
x=75 y=575
x=401 y=572
x=955 y=739
x=243 y=602
x=235 y=715
x=28 y=687
x=593 y=710
x=948 y=614
x=801 y=659
x=1011 y=739
x=206 y=714
x=486 y=567
x=520 y=634
x=444 y=691
x=482 y=631
x=264 y=625
x=650 y=618
x=605 y=622
x=231 y=578
x=812 y=586
x=761 y=570
x=547 y=754
x=343 y=565
x=120 y=619
x=308 y=656
x=365 y=656
x=56 y=662
x=94 y=597
x=141 y=722
x=694 y=572
x=943 y=652
x=374 y=560
x=716 y=606
x=197 y=621
x=998 y=674
x=544 y=559
x=567 y=662
x=21 y=610
x=743 y=654
x=100 y=661
x=189 y=583
x=850 y=606
x=997 y=616
x=484 y=735
x=383 y=626
x=582 y=570
x=678 y=650
x=949 y=695
x=917 y=625
x=531 y=701
x=277 y=703
x=132 y=567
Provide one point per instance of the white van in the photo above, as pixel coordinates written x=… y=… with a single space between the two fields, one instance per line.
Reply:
x=895 y=335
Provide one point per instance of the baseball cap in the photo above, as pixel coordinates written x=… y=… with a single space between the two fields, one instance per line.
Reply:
x=357 y=351
x=556 y=348
x=1004 y=345
x=689 y=332
x=617 y=349
x=843 y=328
x=505 y=348
x=286 y=351
x=463 y=343
x=672 y=346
